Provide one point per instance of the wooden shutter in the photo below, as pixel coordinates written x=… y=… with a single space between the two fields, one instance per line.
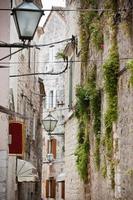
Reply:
x=52 y=188
x=53 y=148
x=47 y=188
x=48 y=146
x=63 y=189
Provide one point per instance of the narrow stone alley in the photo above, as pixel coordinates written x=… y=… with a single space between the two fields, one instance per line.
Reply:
x=66 y=112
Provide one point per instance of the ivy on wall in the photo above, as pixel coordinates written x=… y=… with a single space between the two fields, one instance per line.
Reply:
x=82 y=114
x=90 y=29
x=110 y=70
x=130 y=68
x=88 y=108
x=95 y=110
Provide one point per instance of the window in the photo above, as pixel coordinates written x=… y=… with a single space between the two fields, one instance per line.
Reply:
x=51 y=100
x=51 y=188
x=51 y=53
x=63 y=189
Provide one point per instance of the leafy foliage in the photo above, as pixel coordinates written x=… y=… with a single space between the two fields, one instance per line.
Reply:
x=88 y=105
x=88 y=108
x=110 y=68
x=91 y=29
x=130 y=68
x=104 y=169
x=82 y=114
x=82 y=159
x=61 y=55
x=95 y=107
x=112 y=174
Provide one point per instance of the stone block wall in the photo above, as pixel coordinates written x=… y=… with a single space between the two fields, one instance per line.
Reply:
x=122 y=129
x=100 y=187
x=74 y=188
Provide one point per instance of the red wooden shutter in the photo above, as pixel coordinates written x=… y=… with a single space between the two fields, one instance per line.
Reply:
x=53 y=188
x=63 y=189
x=16 y=132
x=47 y=188
x=53 y=148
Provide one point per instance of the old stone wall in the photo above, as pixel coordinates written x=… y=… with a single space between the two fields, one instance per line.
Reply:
x=54 y=30
x=124 y=137
x=100 y=187
x=122 y=129
x=4 y=97
x=74 y=188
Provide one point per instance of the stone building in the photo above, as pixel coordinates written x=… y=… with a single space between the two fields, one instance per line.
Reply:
x=53 y=171
x=74 y=187
x=105 y=75
x=4 y=98
x=27 y=92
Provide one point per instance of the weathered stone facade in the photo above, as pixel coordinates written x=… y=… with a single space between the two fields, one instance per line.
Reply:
x=122 y=137
x=29 y=103
x=4 y=98
x=100 y=187
x=28 y=93
x=74 y=187
x=54 y=31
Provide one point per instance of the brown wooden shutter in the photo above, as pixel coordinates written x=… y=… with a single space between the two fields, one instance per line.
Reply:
x=47 y=188
x=63 y=189
x=48 y=146
x=52 y=188
x=53 y=148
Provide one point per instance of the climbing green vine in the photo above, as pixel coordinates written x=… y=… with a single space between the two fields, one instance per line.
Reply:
x=104 y=168
x=88 y=108
x=90 y=29
x=95 y=108
x=82 y=114
x=110 y=70
x=130 y=68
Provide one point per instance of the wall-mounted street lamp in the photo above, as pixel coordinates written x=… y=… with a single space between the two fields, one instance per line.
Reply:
x=27 y=16
x=49 y=123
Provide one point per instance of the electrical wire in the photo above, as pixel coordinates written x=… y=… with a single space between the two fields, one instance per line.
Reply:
x=52 y=43
x=10 y=54
x=58 y=62
x=77 y=9
x=4 y=67
x=41 y=73
x=21 y=45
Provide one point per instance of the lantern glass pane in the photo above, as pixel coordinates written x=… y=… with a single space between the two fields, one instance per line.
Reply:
x=53 y=125
x=27 y=23
x=49 y=123
x=28 y=20
x=46 y=125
